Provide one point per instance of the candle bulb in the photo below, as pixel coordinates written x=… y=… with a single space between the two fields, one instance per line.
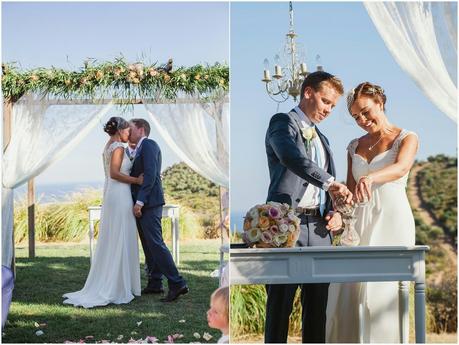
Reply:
x=266 y=76
x=303 y=68
x=278 y=71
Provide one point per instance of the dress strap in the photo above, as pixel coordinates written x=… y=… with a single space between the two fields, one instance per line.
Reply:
x=113 y=146
x=353 y=146
x=403 y=134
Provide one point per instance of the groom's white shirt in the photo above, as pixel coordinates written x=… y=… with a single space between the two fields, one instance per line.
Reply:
x=133 y=154
x=311 y=197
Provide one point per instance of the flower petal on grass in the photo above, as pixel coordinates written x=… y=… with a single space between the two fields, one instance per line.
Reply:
x=120 y=337
x=39 y=333
x=36 y=325
x=207 y=336
x=196 y=335
x=139 y=323
x=151 y=340
x=89 y=337
x=170 y=339
x=182 y=321
x=177 y=336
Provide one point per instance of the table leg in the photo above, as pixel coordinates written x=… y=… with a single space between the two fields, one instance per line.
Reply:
x=404 y=318
x=420 y=312
x=177 y=237
x=174 y=239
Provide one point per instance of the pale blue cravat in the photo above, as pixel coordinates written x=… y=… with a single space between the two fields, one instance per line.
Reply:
x=322 y=197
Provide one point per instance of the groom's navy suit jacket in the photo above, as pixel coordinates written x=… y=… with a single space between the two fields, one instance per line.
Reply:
x=148 y=162
x=290 y=169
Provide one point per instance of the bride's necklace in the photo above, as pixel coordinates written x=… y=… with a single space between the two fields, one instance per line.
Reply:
x=376 y=143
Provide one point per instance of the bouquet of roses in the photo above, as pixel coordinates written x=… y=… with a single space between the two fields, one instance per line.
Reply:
x=271 y=225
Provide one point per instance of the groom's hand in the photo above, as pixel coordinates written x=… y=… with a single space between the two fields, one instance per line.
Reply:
x=137 y=210
x=339 y=190
x=334 y=221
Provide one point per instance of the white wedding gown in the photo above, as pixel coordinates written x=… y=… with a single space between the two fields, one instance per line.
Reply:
x=386 y=220
x=114 y=276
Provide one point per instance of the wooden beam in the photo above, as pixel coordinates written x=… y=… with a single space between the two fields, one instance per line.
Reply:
x=31 y=217
x=120 y=101
x=7 y=122
x=7 y=111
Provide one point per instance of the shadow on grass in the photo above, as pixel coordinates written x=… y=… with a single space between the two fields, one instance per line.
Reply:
x=42 y=281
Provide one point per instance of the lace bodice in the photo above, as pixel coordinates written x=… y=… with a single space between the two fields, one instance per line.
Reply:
x=107 y=156
x=360 y=167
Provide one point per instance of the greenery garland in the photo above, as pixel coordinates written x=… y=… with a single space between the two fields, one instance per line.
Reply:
x=117 y=80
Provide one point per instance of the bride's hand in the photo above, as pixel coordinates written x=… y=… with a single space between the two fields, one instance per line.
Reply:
x=363 y=189
x=140 y=179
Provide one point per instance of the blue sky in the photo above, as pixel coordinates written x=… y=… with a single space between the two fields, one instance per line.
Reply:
x=351 y=48
x=65 y=34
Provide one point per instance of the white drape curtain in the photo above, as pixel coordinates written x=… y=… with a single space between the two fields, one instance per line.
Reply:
x=43 y=131
x=198 y=132
x=422 y=37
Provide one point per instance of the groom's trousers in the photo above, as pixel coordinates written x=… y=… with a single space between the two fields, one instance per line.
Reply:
x=313 y=296
x=158 y=257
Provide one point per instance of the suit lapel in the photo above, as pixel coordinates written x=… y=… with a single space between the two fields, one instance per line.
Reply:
x=296 y=117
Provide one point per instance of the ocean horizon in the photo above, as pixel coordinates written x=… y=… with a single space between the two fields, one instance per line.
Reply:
x=237 y=220
x=46 y=193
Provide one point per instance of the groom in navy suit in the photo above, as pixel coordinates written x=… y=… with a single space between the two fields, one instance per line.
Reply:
x=148 y=206
x=302 y=174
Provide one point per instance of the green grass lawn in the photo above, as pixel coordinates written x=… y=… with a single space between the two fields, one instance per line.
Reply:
x=57 y=269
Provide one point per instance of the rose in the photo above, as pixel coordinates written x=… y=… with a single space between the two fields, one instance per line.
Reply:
x=274 y=212
x=254 y=222
x=253 y=235
x=263 y=222
x=292 y=228
x=253 y=212
x=99 y=75
x=274 y=229
x=153 y=72
x=280 y=239
x=283 y=227
x=308 y=133
x=291 y=216
x=267 y=237
x=247 y=224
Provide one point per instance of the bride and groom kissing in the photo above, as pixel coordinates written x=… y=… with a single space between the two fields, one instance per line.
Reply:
x=133 y=199
x=302 y=174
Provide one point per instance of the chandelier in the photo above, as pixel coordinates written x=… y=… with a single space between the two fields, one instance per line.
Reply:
x=289 y=73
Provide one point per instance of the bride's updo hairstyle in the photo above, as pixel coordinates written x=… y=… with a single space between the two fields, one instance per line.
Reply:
x=366 y=89
x=114 y=124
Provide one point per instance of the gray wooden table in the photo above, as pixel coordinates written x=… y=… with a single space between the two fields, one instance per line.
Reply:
x=338 y=265
x=171 y=211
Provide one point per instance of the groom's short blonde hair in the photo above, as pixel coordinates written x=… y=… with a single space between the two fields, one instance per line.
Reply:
x=316 y=80
x=141 y=123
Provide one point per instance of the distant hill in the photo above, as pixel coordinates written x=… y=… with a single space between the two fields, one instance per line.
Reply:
x=200 y=196
x=432 y=190
x=438 y=183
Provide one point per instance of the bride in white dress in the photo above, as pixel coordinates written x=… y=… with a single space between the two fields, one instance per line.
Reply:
x=114 y=276
x=378 y=168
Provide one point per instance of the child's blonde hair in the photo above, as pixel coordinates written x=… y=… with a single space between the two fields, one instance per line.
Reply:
x=222 y=294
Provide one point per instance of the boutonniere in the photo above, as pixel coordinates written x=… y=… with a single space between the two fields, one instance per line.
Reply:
x=309 y=133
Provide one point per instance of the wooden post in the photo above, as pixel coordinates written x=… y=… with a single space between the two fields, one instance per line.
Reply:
x=7 y=121
x=31 y=216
